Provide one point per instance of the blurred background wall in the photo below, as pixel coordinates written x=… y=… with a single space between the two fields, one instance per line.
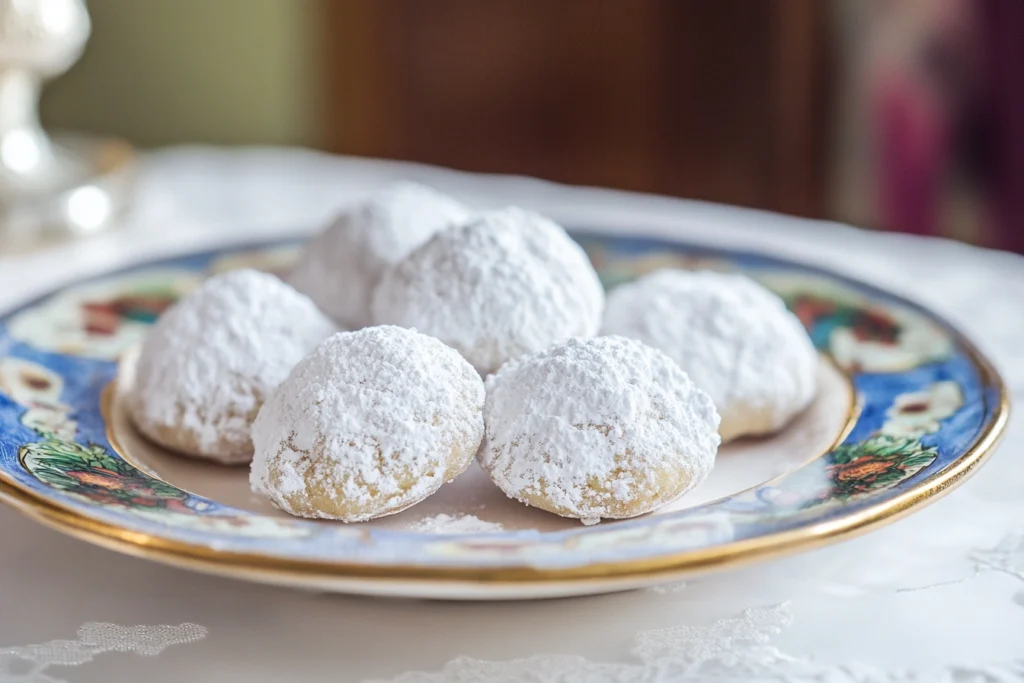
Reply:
x=161 y=72
x=897 y=114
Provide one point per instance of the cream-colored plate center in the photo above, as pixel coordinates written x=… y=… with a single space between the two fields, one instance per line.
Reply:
x=740 y=465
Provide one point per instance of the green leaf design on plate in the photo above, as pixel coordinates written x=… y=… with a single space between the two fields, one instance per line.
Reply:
x=876 y=463
x=88 y=470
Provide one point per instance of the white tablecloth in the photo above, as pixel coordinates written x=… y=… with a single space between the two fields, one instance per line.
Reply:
x=938 y=596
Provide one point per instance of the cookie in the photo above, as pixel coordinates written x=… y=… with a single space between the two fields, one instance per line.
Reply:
x=597 y=428
x=734 y=338
x=340 y=267
x=367 y=425
x=210 y=360
x=504 y=284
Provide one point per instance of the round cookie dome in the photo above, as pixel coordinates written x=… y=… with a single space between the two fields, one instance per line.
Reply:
x=504 y=284
x=212 y=358
x=340 y=267
x=732 y=336
x=597 y=428
x=367 y=425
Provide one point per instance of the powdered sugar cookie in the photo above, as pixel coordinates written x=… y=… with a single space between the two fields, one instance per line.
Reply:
x=505 y=283
x=340 y=267
x=597 y=428
x=368 y=424
x=211 y=359
x=734 y=338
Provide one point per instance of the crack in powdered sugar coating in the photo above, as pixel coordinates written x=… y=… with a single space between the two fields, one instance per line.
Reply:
x=340 y=267
x=507 y=283
x=734 y=338
x=592 y=428
x=212 y=358
x=368 y=424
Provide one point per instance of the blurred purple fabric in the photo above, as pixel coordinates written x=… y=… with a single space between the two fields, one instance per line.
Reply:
x=949 y=115
x=1002 y=115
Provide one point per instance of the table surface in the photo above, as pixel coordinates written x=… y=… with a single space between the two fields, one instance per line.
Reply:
x=938 y=596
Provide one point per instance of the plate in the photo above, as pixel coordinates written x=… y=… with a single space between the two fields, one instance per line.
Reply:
x=907 y=409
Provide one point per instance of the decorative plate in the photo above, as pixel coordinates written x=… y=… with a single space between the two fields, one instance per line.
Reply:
x=907 y=409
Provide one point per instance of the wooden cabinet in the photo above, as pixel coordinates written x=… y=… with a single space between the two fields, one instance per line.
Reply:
x=722 y=100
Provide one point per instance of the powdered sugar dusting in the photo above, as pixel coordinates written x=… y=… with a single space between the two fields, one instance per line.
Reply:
x=733 y=337
x=340 y=267
x=368 y=424
x=669 y=588
x=594 y=428
x=455 y=524
x=210 y=361
x=506 y=283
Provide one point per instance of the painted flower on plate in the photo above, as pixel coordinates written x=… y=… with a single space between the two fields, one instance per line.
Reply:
x=29 y=384
x=921 y=412
x=101 y=319
x=862 y=335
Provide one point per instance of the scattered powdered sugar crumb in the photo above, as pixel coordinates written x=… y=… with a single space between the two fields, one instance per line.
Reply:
x=455 y=524
x=503 y=284
x=734 y=338
x=667 y=588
